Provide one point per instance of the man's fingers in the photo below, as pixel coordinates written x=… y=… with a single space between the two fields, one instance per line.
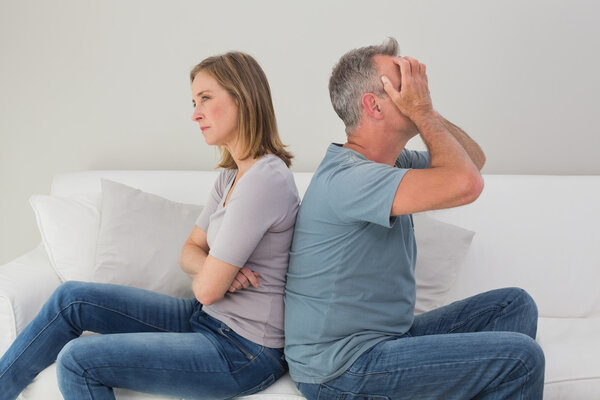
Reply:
x=415 y=65
x=388 y=87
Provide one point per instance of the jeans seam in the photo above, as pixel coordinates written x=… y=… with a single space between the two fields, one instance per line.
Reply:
x=473 y=316
x=193 y=371
x=437 y=365
x=261 y=386
x=85 y=376
x=114 y=311
x=237 y=344
x=250 y=361
x=526 y=376
x=275 y=360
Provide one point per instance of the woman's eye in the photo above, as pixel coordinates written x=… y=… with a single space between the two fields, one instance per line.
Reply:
x=204 y=98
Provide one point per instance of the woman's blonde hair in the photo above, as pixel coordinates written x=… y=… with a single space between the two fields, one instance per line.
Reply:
x=241 y=75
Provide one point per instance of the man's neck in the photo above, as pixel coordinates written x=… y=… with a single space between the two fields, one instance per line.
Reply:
x=375 y=148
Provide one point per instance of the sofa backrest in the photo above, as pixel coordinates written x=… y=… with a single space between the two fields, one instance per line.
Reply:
x=536 y=232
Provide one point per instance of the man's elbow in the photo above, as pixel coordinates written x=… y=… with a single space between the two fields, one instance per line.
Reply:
x=472 y=187
x=481 y=161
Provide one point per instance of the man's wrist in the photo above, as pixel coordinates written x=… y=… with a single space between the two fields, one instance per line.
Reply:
x=427 y=121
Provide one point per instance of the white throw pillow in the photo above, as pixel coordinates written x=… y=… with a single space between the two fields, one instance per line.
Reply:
x=441 y=250
x=140 y=239
x=69 y=229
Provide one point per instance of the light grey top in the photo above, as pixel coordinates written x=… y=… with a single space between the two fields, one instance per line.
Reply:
x=254 y=229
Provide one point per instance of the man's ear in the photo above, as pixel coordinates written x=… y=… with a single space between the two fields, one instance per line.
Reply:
x=370 y=104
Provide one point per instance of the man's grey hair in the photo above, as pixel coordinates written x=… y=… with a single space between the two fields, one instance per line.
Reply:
x=354 y=75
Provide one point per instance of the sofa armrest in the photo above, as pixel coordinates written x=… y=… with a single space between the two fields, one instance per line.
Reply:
x=25 y=285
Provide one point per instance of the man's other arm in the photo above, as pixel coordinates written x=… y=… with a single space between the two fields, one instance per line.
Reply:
x=452 y=178
x=473 y=150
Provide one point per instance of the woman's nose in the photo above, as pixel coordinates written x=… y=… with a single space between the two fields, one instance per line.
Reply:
x=196 y=115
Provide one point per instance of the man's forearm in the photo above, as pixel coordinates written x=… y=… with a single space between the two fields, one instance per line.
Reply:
x=470 y=146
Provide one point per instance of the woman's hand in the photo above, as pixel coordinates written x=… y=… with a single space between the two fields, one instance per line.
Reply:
x=244 y=279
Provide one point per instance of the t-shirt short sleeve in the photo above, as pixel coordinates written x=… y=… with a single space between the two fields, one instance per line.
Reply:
x=364 y=191
x=413 y=159
x=215 y=196
x=260 y=202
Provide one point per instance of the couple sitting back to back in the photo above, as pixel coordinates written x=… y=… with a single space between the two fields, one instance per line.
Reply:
x=348 y=304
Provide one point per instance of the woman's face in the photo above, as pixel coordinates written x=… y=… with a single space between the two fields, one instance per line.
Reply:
x=215 y=111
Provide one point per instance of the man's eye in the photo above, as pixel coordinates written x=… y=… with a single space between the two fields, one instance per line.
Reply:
x=204 y=98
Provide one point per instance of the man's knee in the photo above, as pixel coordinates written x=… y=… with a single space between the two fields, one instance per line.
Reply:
x=524 y=299
x=529 y=353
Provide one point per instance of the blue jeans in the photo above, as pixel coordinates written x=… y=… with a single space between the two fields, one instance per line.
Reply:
x=479 y=348
x=151 y=343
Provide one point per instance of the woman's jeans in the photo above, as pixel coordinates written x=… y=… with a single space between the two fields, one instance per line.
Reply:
x=151 y=343
x=480 y=348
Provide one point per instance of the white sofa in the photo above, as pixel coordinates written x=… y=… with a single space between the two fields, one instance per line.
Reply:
x=536 y=232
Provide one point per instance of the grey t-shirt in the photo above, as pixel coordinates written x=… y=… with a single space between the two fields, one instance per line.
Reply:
x=253 y=229
x=351 y=281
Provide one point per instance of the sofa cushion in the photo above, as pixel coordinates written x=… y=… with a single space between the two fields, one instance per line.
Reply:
x=572 y=353
x=441 y=250
x=75 y=219
x=140 y=239
x=69 y=229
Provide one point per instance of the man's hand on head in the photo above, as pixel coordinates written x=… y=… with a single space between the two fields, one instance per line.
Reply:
x=413 y=99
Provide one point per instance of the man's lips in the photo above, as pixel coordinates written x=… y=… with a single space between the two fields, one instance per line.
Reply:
x=203 y=128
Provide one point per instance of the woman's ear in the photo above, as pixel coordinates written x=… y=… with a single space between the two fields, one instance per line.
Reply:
x=370 y=104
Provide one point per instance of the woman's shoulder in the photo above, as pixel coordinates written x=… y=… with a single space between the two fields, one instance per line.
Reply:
x=272 y=175
x=271 y=167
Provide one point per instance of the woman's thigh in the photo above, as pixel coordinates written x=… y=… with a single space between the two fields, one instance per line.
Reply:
x=108 y=308
x=79 y=306
x=183 y=365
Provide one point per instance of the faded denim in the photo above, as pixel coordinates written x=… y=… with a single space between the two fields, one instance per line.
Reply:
x=479 y=348
x=150 y=342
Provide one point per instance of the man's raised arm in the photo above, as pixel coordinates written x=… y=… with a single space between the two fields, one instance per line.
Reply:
x=473 y=150
x=452 y=179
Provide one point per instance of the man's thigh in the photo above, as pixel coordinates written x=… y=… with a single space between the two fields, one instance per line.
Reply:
x=506 y=310
x=453 y=366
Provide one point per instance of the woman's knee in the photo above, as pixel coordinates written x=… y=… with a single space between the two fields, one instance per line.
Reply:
x=70 y=291
x=67 y=363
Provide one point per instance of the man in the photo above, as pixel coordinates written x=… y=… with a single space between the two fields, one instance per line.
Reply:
x=350 y=327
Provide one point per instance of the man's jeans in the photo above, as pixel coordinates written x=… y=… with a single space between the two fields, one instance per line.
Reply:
x=479 y=348
x=176 y=350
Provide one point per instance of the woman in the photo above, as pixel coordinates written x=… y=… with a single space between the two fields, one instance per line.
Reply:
x=227 y=341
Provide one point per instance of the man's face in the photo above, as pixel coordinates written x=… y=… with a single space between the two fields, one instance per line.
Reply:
x=385 y=66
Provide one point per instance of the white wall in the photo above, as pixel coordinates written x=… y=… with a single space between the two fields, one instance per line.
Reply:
x=104 y=84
